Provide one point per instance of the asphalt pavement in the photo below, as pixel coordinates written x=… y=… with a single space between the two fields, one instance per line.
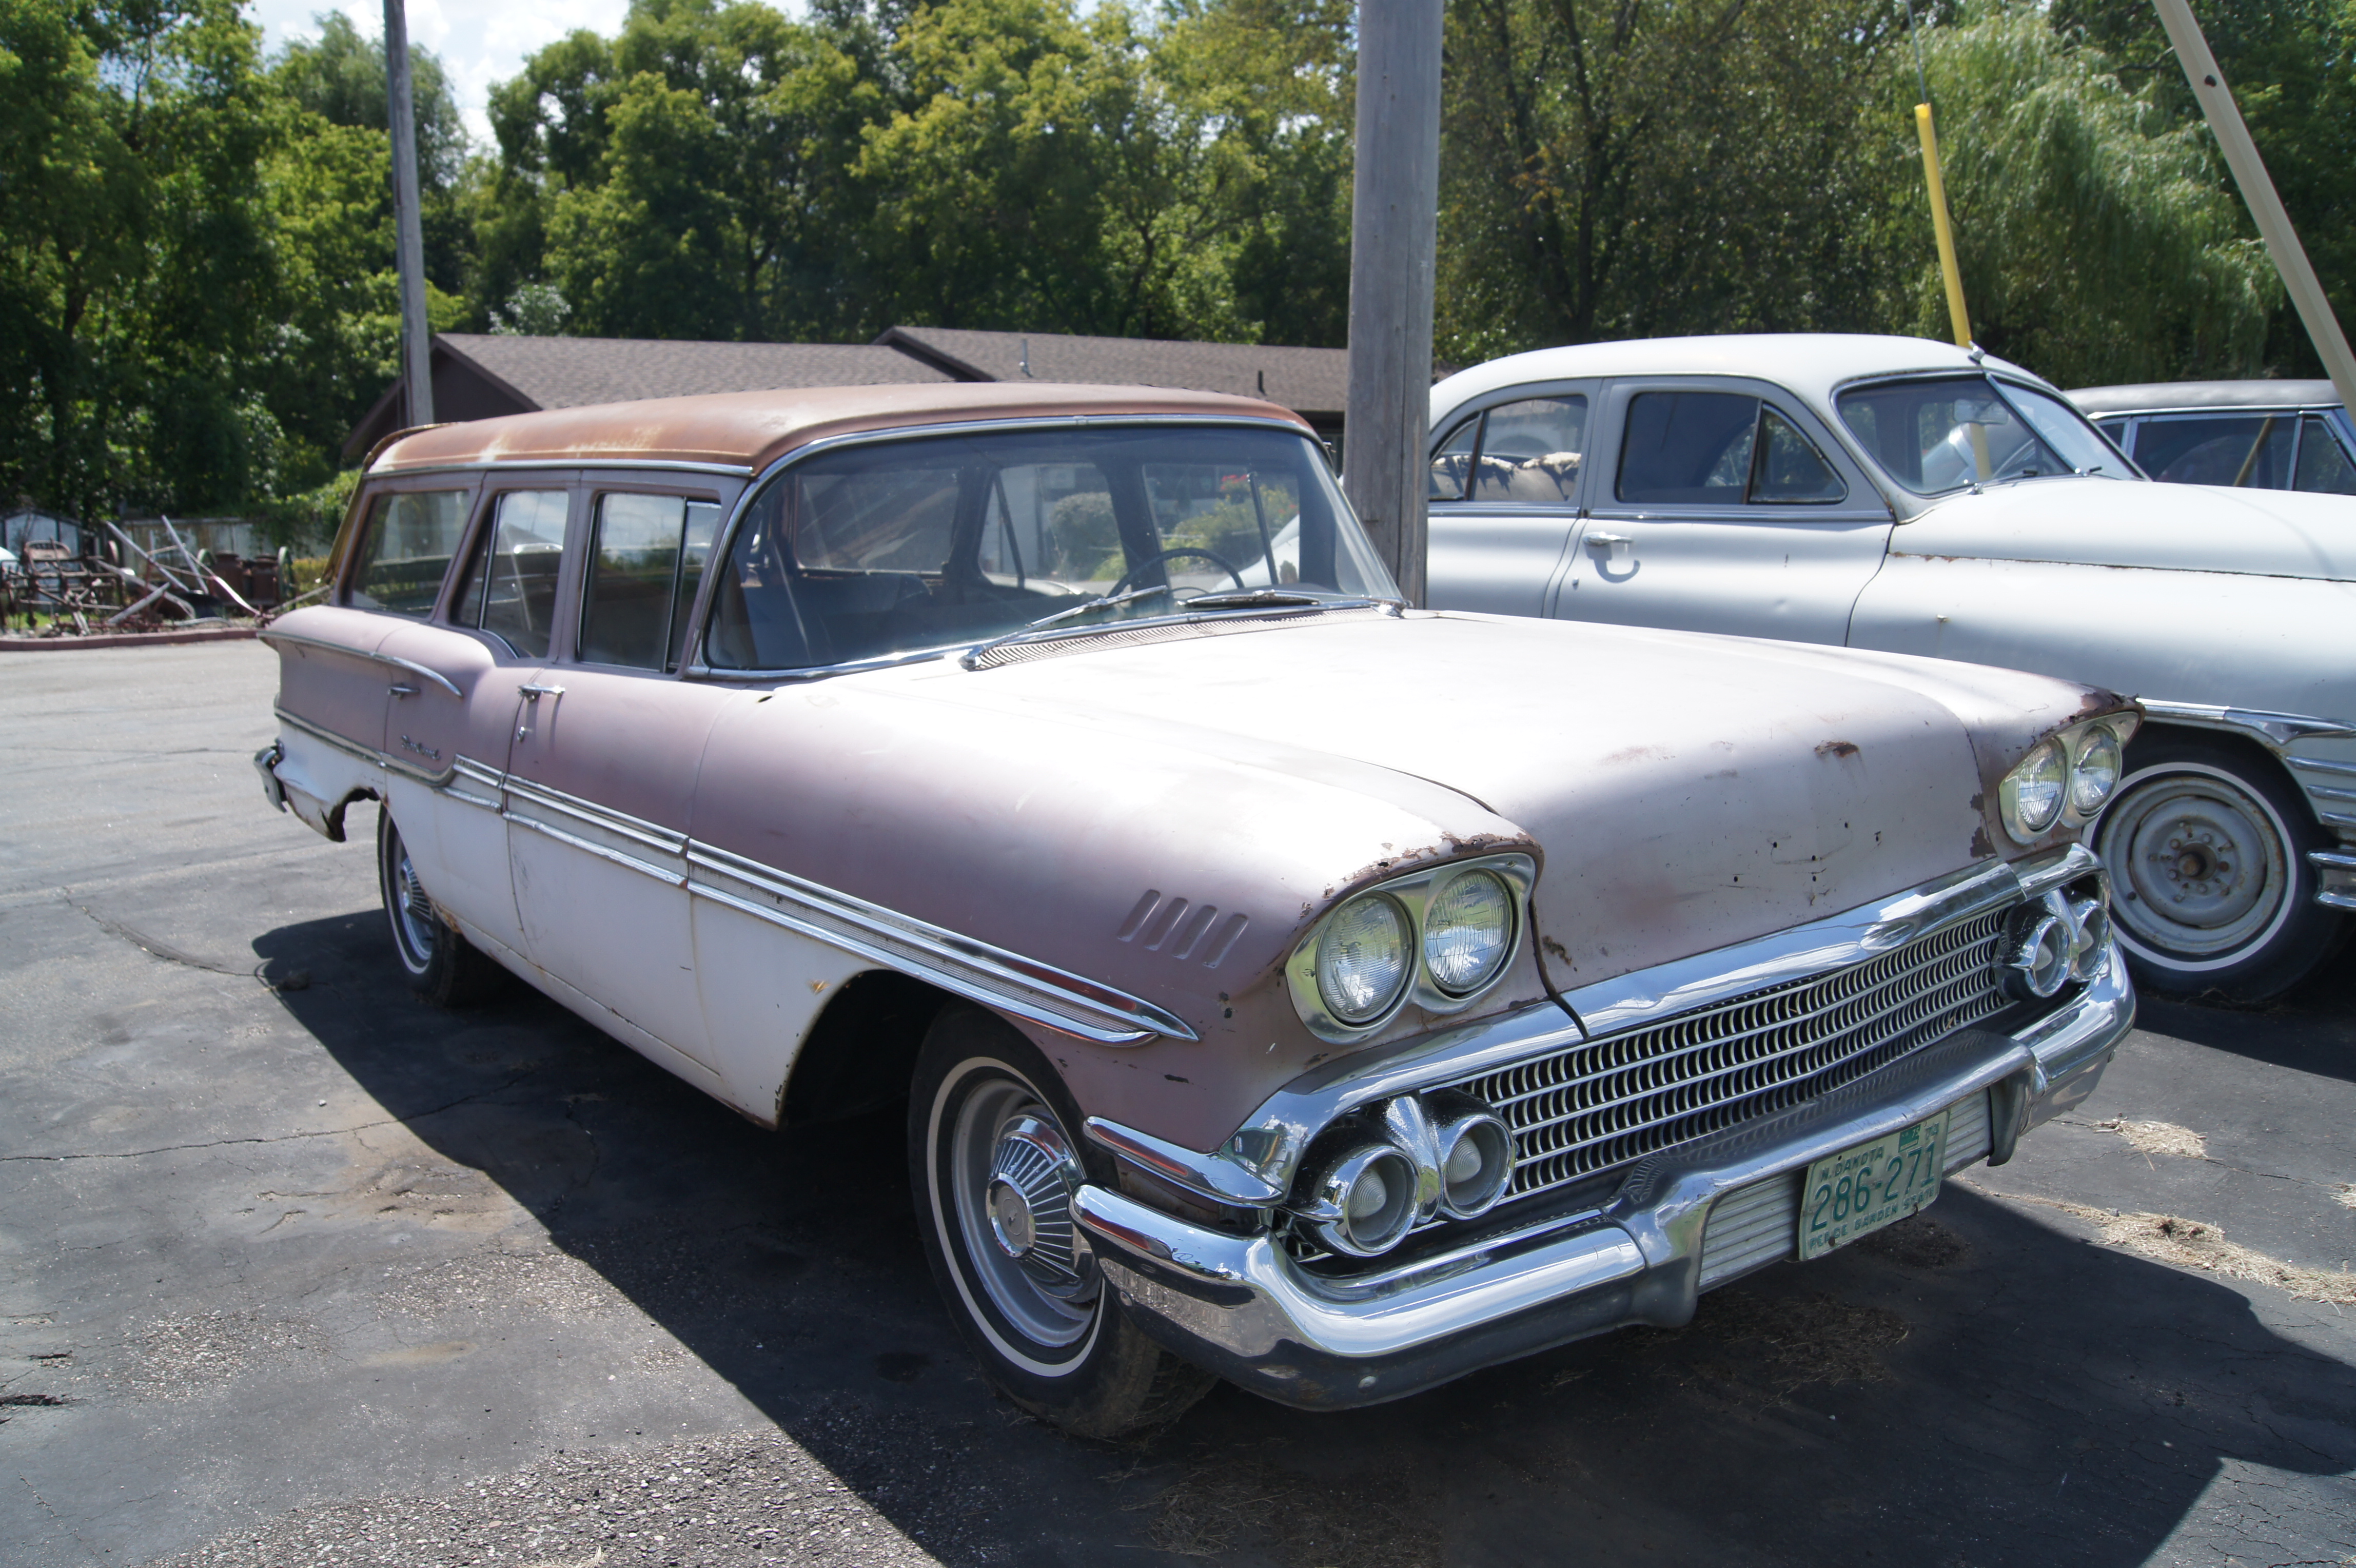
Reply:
x=295 y=1269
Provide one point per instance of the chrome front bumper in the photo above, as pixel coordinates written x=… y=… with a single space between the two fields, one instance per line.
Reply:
x=1238 y=1304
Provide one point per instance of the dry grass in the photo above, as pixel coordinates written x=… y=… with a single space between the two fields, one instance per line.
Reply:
x=2157 y=1138
x=2345 y=1195
x=2192 y=1244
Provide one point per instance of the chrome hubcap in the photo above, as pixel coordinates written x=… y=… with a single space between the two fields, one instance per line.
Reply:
x=1014 y=1177
x=415 y=923
x=2199 y=864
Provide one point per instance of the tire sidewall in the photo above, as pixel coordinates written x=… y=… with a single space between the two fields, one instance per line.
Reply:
x=964 y=1050
x=427 y=976
x=2301 y=934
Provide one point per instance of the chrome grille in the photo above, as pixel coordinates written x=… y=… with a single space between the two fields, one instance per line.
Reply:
x=1611 y=1100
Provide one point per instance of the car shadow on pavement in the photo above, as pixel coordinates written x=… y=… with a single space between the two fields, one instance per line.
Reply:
x=1974 y=1386
x=2312 y=1029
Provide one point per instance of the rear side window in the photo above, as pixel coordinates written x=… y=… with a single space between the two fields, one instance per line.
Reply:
x=512 y=593
x=645 y=560
x=406 y=551
x=2250 y=450
x=1686 y=447
x=2322 y=463
x=1526 y=452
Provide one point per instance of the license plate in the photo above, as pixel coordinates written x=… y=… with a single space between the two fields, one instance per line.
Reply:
x=1864 y=1188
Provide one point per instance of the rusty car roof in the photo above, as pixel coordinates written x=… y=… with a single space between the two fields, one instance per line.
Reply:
x=750 y=430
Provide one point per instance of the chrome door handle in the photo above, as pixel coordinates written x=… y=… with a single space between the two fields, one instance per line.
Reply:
x=533 y=692
x=1619 y=545
x=403 y=691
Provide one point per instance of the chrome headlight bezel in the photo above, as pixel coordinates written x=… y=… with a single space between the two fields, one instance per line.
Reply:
x=1413 y=893
x=2072 y=747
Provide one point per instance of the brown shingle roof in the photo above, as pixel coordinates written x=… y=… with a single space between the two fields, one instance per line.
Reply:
x=752 y=429
x=1314 y=381
x=571 y=372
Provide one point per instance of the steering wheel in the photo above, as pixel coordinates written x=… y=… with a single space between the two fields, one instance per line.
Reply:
x=1161 y=555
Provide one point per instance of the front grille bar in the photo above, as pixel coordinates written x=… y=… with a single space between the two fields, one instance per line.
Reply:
x=1606 y=1102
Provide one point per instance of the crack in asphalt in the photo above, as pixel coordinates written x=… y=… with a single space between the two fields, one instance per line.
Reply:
x=283 y=1137
x=155 y=947
x=2335 y=1188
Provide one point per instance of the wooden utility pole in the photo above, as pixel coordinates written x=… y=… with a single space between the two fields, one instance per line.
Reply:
x=1393 y=233
x=2258 y=190
x=409 y=234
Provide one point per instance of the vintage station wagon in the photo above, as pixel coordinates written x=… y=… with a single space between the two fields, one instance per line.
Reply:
x=1283 y=985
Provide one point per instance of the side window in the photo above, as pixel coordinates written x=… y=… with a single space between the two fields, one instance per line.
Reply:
x=754 y=623
x=1687 y=446
x=2322 y=462
x=2247 y=449
x=1789 y=470
x=1530 y=451
x=512 y=591
x=1452 y=465
x=646 y=556
x=406 y=553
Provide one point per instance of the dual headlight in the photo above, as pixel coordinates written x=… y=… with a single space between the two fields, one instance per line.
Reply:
x=2070 y=774
x=1441 y=936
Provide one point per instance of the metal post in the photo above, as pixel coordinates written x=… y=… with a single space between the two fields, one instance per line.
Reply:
x=2258 y=190
x=1395 y=231
x=1940 y=229
x=409 y=234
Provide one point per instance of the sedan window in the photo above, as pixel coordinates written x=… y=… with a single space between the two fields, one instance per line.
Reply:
x=2246 y=449
x=512 y=590
x=2322 y=463
x=406 y=551
x=1452 y=465
x=1789 y=470
x=1941 y=434
x=1720 y=448
x=645 y=565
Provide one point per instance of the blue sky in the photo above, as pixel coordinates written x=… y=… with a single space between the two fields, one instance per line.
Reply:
x=480 y=41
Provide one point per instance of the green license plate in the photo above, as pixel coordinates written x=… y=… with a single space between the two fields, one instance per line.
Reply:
x=1868 y=1187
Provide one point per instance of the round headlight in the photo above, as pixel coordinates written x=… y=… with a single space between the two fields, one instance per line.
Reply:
x=2031 y=793
x=1363 y=1202
x=1467 y=931
x=1362 y=958
x=2095 y=772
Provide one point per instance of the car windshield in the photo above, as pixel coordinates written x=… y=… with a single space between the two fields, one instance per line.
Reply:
x=1942 y=434
x=897 y=547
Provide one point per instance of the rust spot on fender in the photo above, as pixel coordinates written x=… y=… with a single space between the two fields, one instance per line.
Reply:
x=1840 y=748
x=1982 y=847
x=1635 y=754
x=1557 y=949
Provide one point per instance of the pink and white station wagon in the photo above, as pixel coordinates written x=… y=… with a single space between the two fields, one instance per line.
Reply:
x=1284 y=984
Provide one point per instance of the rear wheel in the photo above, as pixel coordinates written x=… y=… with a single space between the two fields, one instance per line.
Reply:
x=2211 y=889
x=442 y=966
x=994 y=1165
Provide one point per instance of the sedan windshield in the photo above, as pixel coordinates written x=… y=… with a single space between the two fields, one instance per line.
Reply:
x=1942 y=434
x=897 y=547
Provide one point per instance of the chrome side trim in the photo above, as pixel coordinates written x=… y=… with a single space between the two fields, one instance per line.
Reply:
x=2274 y=731
x=273 y=635
x=2338 y=890
x=1207 y=1176
x=991 y=975
x=2320 y=765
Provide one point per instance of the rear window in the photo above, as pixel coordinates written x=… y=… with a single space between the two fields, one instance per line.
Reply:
x=406 y=550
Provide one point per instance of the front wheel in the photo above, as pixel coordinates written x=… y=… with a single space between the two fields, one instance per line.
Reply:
x=442 y=965
x=2211 y=891
x=994 y=1165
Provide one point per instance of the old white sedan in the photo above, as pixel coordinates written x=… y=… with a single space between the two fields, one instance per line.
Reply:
x=1898 y=494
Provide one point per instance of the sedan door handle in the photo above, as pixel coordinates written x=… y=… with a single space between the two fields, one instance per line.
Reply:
x=403 y=691
x=1618 y=545
x=533 y=692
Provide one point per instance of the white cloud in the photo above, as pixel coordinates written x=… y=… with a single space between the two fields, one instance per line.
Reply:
x=480 y=42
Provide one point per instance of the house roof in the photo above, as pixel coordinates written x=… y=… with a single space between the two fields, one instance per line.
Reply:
x=572 y=373
x=749 y=430
x=1316 y=382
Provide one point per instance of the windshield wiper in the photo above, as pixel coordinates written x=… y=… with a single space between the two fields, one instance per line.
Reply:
x=1259 y=598
x=1101 y=602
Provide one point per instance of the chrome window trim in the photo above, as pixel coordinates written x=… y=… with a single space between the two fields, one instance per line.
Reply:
x=424 y=672
x=1271 y=1141
x=524 y=464
x=695 y=666
x=966 y=966
x=2275 y=732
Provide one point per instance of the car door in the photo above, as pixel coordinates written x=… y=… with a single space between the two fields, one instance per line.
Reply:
x=601 y=770
x=1505 y=490
x=1722 y=506
x=451 y=719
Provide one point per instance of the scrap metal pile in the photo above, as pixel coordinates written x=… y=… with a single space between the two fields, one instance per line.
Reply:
x=176 y=586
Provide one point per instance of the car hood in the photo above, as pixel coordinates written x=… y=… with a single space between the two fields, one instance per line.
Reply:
x=1684 y=791
x=2115 y=522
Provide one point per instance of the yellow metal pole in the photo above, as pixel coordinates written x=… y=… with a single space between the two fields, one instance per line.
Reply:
x=1939 y=225
x=1947 y=267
